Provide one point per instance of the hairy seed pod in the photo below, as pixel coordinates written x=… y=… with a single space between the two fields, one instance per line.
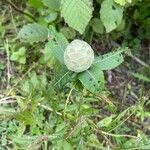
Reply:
x=78 y=56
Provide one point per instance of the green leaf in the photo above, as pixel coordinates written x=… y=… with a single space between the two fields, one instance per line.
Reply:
x=57 y=46
x=20 y=129
x=123 y=2
x=110 y=60
x=62 y=144
x=56 y=51
x=33 y=33
x=62 y=77
x=48 y=55
x=111 y=14
x=34 y=79
x=23 y=141
x=66 y=145
x=52 y=4
x=60 y=127
x=22 y=60
x=121 y=115
x=7 y=111
x=2 y=67
x=93 y=141
x=36 y=4
x=68 y=32
x=92 y=79
x=141 y=77
x=97 y=26
x=19 y=56
x=51 y=17
x=77 y=13
x=25 y=117
x=105 y=122
x=14 y=56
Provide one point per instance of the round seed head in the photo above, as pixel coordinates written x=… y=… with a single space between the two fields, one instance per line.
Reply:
x=78 y=56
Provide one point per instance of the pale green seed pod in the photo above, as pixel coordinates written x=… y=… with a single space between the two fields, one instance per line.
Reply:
x=78 y=56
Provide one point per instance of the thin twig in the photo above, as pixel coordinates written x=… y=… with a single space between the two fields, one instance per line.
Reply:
x=8 y=64
x=118 y=135
x=105 y=98
x=67 y=101
x=36 y=144
x=11 y=97
x=122 y=121
x=50 y=109
x=71 y=133
x=110 y=134
x=138 y=60
x=134 y=57
x=8 y=102
x=109 y=142
x=42 y=138
x=20 y=11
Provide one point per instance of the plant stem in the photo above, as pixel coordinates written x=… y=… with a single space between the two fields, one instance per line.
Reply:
x=20 y=11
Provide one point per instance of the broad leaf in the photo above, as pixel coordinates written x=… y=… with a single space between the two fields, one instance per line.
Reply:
x=52 y=4
x=77 y=13
x=110 y=60
x=51 y=17
x=56 y=51
x=33 y=33
x=48 y=55
x=97 y=25
x=111 y=14
x=92 y=79
x=68 y=32
x=24 y=141
x=57 y=47
x=19 y=56
x=123 y=2
x=62 y=77
x=37 y=4
x=26 y=117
